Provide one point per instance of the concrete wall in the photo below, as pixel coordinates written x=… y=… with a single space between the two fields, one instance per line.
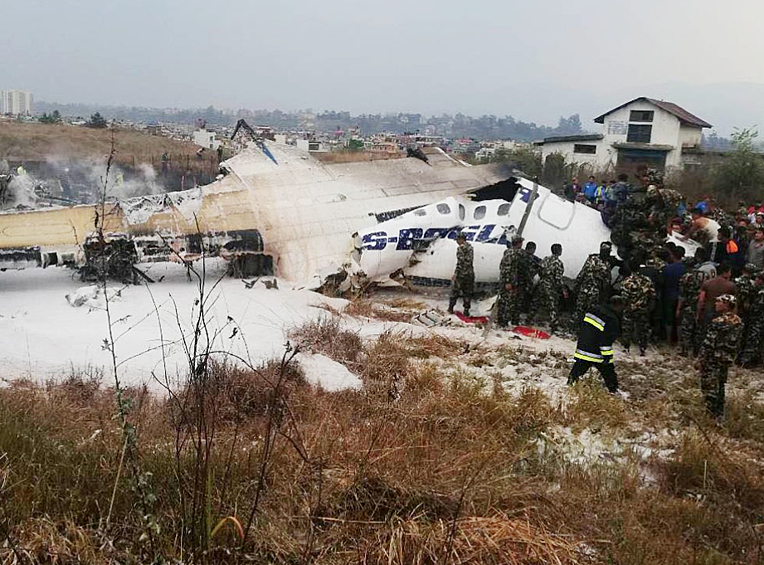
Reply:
x=689 y=136
x=206 y=139
x=602 y=159
x=665 y=125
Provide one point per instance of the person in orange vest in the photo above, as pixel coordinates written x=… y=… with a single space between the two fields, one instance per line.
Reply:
x=726 y=250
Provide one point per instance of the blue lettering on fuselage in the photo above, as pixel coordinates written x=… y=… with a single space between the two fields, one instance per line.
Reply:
x=376 y=241
x=406 y=238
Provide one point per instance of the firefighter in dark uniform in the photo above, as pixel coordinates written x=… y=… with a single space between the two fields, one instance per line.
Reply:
x=599 y=330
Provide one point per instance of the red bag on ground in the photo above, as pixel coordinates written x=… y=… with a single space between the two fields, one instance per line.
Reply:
x=530 y=332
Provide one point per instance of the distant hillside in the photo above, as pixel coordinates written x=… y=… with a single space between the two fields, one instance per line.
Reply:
x=485 y=127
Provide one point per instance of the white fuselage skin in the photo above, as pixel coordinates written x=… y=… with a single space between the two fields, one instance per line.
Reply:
x=422 y=243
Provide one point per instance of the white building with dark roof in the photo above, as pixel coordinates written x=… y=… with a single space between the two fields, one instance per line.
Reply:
x=644 y=131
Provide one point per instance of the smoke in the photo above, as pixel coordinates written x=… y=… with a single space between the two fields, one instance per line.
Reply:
x=121 y=185
x=63 y=181
x=82 y=181
x=21 y=192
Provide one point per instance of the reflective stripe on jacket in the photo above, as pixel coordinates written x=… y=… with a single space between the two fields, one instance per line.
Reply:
x=598 y=332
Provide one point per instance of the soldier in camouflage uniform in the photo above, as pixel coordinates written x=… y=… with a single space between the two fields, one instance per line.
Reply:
x=638 y=294
x=549 y=288
x=687 y=308
x=745 y=293
x=718 y=214
x=532 y=268
x=592 y=284
x=463 y=281
x=753 y=335
x=512 y=279
x=664 y=204
x=627 y=225
x=717 y=353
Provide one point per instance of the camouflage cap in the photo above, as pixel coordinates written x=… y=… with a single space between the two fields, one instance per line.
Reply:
x=516 y=239
x=727 y=299
x=460 y=235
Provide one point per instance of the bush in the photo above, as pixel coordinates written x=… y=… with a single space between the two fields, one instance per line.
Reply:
x=741 y=174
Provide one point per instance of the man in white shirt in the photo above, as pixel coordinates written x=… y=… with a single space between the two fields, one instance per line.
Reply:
x=702 y=229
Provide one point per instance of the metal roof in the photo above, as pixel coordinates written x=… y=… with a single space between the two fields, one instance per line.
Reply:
x=683 y=115
x=568 y=138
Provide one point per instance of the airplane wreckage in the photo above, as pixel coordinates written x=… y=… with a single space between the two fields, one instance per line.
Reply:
x=279 y=210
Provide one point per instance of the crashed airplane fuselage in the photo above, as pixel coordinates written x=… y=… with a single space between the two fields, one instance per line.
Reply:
x=421 y=243
x=277 y=202
x=280 y=210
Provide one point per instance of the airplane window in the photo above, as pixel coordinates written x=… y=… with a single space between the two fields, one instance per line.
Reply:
x=461 y=212
x=420 y=212
x=503 y=210
x=444 y=208
x=479 y=213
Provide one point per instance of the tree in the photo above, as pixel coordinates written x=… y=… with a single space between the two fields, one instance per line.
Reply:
x=741 y=174
x=523 y=158
x=555 y=171
x=54 y=118
x=97 y=121
x=569 y=126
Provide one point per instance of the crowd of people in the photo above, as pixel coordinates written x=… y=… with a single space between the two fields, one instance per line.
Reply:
x=709 y=303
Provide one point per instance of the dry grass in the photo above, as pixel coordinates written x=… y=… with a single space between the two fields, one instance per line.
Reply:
x=447 y=471
x=365 y=308
x=328 y=337
x=37 y=142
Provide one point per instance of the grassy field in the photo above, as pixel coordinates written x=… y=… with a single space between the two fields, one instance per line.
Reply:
x=437 y=460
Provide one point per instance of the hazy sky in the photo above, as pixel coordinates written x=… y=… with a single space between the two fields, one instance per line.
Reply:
x=535 y=60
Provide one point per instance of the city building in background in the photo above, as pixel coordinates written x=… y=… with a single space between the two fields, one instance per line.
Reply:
x=16 y=102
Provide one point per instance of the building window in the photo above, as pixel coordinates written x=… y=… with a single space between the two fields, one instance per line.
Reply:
x=584 y=148
x=641 y=116
x=639 y=134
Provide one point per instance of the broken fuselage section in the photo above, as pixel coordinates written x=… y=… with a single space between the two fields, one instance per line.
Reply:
x=421 y=244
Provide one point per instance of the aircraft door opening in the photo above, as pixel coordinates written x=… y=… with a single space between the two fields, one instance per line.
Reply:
x=556 y=211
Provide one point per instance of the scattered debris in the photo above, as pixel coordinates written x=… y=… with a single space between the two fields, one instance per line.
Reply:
x=429 y=319
x=82 y=295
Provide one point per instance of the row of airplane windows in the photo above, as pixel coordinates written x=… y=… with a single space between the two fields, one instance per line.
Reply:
x=477 y=214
